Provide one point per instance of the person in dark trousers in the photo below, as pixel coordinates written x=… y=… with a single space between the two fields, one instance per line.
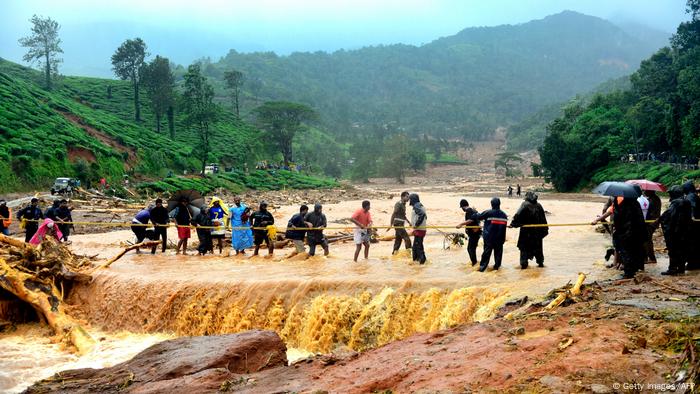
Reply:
x=473 y=234
x=510 y=191
x=260 y=220
x=399 y=221
x=202 y=223
x=675 y=223
x=5 y=218
x=530 y=238
x=296 y=229
x=139 y=225
x=32 y=214
x=420 y=220
x=517 y=190
x=182 y=217
x=51 y=211
x=653 y=213
x=63 y=218
x=495 y=225
x=630 y=234
x=160 y=220
x=317 y=220
x=694 y=245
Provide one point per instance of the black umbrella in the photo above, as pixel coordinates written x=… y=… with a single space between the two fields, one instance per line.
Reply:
x=617 y=189
x=193 y=197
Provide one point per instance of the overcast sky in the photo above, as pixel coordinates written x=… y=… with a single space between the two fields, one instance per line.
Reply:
x=185 y=29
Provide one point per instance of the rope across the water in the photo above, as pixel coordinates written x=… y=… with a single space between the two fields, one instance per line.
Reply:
x=283 y=229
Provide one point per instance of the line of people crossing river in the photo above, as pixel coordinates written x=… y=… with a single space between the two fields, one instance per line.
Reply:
x=633 y=222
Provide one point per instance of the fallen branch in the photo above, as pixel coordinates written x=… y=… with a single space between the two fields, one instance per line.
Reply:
x=42 y=296
x=147 y=244
x=568 y=294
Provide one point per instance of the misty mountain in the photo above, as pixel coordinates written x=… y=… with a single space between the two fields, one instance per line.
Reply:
x=464 y=84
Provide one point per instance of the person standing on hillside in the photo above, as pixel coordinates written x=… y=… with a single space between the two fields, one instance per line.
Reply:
x=420 y=220
x=517 y=190
x=241 y=236
x=398 y=221
x=653 y=213
x=694 y=245
x=30 y=216
x=361 y=234
x=530 y=238
x=315 y=237
x=64 y=219
x=160 y=220
x=510 y=191
x=5 y=218
x=473 y=234
x=182 y=217
x=675 y=223
x=261 y=220
x=495 y=225
x=296 y=229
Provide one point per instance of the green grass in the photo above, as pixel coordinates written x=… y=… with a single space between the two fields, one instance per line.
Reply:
x=38 y=142
x=663 y=173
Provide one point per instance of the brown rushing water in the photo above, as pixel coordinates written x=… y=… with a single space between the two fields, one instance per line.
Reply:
x=315 y=304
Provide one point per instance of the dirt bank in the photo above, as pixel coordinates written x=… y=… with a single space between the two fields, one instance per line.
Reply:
x=619 y=334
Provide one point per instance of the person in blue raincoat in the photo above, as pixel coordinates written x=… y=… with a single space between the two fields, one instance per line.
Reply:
x=241 y=239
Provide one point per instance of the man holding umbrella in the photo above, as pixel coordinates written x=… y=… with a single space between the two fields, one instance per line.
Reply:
x=183 y=206
x=629 y=232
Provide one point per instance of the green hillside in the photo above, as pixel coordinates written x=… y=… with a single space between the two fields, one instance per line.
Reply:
x=79 y=130
x=462 y=85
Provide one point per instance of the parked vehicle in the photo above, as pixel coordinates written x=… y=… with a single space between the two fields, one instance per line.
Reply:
x=64 y=186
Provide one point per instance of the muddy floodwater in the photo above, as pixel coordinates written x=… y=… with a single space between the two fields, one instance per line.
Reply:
x=316 y=304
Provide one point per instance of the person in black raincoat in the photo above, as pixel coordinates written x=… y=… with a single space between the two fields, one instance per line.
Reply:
x=51 y=211
x=630 y=234
x=64 y=219
x=653 y=213
x=675 y=223
x=473 y=234
x=694 y=235
x=260 y=219
x=32 y=213
x=420 y=220
x=204 y=234
x=495 y=226
x=315 y=237
x=530 y=238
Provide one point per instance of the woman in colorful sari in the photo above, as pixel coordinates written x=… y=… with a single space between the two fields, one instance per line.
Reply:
x=240 y=238
x=218 y=213
x=47 y=227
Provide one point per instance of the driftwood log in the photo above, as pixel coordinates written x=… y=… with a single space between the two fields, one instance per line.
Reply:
x=31 y=275
x=147 y=244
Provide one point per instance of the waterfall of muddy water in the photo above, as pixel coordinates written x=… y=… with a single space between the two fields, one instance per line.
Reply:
x=322 y=303
x=30 y=354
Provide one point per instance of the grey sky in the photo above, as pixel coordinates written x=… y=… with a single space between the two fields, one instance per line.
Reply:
x=184 y=29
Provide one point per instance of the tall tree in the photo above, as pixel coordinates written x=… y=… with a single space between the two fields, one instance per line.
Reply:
x=234 y=81
x=282 y=120
x=127 y=63
x=159 y=81
x=44 y=46
x=200 y=110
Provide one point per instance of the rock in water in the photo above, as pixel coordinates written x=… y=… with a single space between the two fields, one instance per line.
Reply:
x=182 y=365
